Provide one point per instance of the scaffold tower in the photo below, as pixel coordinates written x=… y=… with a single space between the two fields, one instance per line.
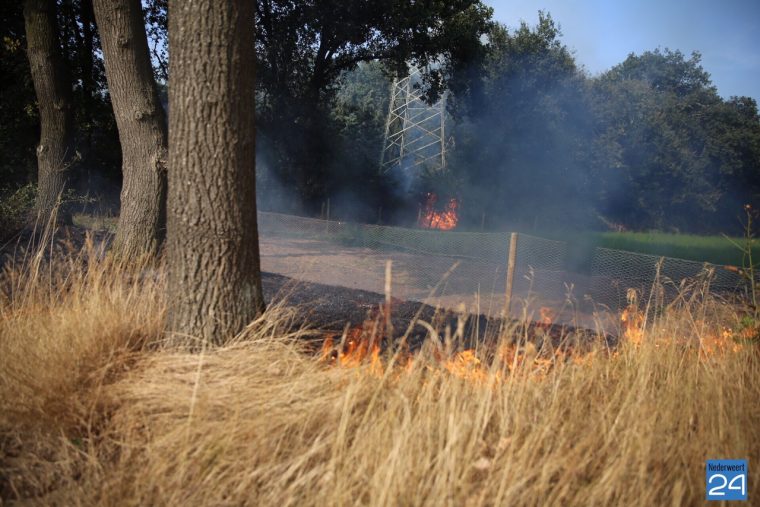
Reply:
x=415 y=132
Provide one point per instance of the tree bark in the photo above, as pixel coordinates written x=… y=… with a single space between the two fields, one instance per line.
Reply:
x=214 y=282
x=55 y=151
x=141 y=121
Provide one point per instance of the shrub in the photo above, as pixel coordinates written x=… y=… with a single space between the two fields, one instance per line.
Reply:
x=15 y=209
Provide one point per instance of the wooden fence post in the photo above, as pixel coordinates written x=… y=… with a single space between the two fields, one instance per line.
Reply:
x=388 y=285
x=510 y=273
x=327 y=223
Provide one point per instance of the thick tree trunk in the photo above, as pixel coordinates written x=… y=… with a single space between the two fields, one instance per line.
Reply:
x=214 y=284
x=55 y=151
x=142 y=126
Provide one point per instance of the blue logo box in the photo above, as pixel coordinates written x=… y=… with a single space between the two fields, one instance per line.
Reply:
x=726 y=479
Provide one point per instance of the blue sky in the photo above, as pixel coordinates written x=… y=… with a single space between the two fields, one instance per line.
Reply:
x=602 y=33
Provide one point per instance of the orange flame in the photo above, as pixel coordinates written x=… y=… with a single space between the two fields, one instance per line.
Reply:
x=358 y=347
x=713 y=343
x=358 y=344
x=720 y=343
x=431 y=218
x=466 y=365
x=547 y=316
x=633 y=321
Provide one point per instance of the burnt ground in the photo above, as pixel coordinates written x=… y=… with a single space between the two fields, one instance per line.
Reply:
x=330 y=309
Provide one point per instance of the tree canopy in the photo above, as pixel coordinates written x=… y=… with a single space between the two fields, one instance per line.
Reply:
x=673 y=144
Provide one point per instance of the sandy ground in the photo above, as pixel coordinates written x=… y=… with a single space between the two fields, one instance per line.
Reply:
x=477 y=287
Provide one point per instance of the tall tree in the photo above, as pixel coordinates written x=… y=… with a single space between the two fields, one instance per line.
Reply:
x=142 y=126
x=214 y=284
x=55 y=151
x=94 y=123
x=520 y=142
x=684 y=156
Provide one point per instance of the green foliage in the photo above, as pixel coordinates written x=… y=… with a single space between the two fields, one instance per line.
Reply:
x=714 y=249
x=749 y=270
x=303 y=47
x=96 y=132
x=647 y=145
x=720 y=250
x=538 y=143
x=675 y=148
x=358 y=121
x=16 y=209
x=157 y=30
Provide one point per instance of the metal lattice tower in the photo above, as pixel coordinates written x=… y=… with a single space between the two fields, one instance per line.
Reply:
x=414 y=131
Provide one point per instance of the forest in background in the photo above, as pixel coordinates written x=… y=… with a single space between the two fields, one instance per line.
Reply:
x=537 y=142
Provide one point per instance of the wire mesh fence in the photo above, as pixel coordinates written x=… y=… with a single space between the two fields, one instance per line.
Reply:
x=442 y=268
x=539 y=269
x=614 y=272
x=450 y=268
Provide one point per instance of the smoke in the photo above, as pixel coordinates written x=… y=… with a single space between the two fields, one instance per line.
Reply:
x=271 y=193
x=541 y=146
x=533 y=144
x=521 y=155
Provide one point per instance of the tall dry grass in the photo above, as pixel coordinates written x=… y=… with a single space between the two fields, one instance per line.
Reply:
x=91 y=413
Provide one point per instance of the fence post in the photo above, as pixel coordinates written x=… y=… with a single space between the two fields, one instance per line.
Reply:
x=388 y=282
x=510 y=273
x=327 y=223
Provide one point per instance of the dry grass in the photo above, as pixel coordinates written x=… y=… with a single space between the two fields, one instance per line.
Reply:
x=90 y=413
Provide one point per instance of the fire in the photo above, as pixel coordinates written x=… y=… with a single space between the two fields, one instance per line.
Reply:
x=432 y=218
x=719 y=343
x=633 y=320
x=360 y=346
x=357 y=349
x=547 y=316
x=466 y=365
x=713 y=343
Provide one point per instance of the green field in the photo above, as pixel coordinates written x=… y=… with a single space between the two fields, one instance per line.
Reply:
x=713 y=249
x=580 y=245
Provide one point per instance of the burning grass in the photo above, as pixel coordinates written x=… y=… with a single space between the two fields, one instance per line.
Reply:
x=444 y=219
x=94 y=411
